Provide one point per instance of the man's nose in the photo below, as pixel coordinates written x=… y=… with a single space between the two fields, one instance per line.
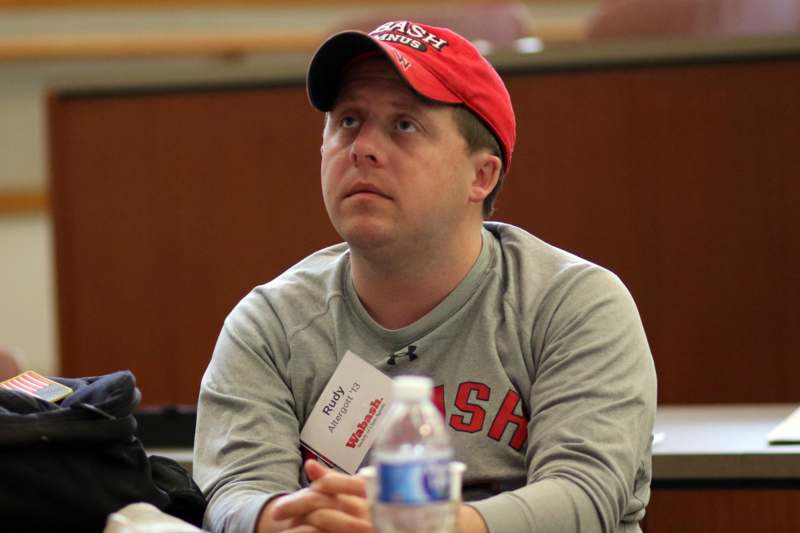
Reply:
x=366 y=147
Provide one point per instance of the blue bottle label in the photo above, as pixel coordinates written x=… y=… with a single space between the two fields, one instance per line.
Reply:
x=414 y=482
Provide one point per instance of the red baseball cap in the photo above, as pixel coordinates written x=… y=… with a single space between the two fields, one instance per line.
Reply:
x=437 y=63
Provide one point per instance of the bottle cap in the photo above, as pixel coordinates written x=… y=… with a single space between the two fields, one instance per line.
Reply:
x=412 y=388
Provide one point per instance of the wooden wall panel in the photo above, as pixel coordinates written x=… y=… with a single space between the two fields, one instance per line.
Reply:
x=168 y=209
x=683 y=179
x=722 y=511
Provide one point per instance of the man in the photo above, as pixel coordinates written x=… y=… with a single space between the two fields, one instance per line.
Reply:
x=542 y=368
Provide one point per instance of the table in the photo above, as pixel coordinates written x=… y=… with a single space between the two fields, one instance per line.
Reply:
x=715 y=472
x=724 y=443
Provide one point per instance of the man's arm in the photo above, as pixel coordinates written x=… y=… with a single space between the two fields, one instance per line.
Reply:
x=592 y=410
x=247 y=438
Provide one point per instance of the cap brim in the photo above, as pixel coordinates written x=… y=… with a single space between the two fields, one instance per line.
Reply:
x=329 y=62
x=327 y=65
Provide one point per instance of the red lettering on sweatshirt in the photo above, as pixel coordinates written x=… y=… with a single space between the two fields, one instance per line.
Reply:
x=472 y=409
x=506 y=416
x=474 y=422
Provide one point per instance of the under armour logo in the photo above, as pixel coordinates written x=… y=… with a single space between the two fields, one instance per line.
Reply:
x=410 y=352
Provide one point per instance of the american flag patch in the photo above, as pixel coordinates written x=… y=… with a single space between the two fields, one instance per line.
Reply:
x=37 y=385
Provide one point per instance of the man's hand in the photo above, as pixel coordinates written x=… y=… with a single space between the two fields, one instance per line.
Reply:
x=333 y=503
x=336 y=503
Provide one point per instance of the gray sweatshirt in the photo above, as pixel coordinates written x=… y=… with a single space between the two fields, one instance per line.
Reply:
x=541 y=368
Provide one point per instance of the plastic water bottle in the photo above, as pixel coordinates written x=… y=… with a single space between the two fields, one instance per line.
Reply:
x=411 y=456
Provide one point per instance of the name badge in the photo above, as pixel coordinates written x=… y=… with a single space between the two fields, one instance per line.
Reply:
x=348 y=413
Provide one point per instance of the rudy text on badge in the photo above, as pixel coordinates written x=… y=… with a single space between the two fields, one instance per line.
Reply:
x=331 y=405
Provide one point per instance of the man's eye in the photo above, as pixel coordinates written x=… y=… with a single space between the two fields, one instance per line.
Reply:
x=406 y=126
x=348 y=122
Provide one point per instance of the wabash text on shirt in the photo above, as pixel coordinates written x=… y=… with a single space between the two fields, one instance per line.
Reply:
x=470 y=415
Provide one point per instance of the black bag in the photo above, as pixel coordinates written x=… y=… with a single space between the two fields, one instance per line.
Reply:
x=67 y=467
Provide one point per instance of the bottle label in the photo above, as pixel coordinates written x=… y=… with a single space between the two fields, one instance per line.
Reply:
x=414 y=482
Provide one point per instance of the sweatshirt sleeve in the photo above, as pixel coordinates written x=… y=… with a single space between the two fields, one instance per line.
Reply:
x=247 y=437
x=593 y=401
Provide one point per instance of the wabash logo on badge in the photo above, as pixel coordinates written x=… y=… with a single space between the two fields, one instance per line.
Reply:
x=409 y=34
x=363 y=427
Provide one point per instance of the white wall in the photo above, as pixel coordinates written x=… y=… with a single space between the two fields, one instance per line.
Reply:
x=27 y=301
x=27 y=310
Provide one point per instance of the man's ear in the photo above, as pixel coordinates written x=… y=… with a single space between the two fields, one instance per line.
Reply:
x=486 y=174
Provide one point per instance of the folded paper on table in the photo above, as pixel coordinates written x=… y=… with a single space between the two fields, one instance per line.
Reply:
x=788 y=431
